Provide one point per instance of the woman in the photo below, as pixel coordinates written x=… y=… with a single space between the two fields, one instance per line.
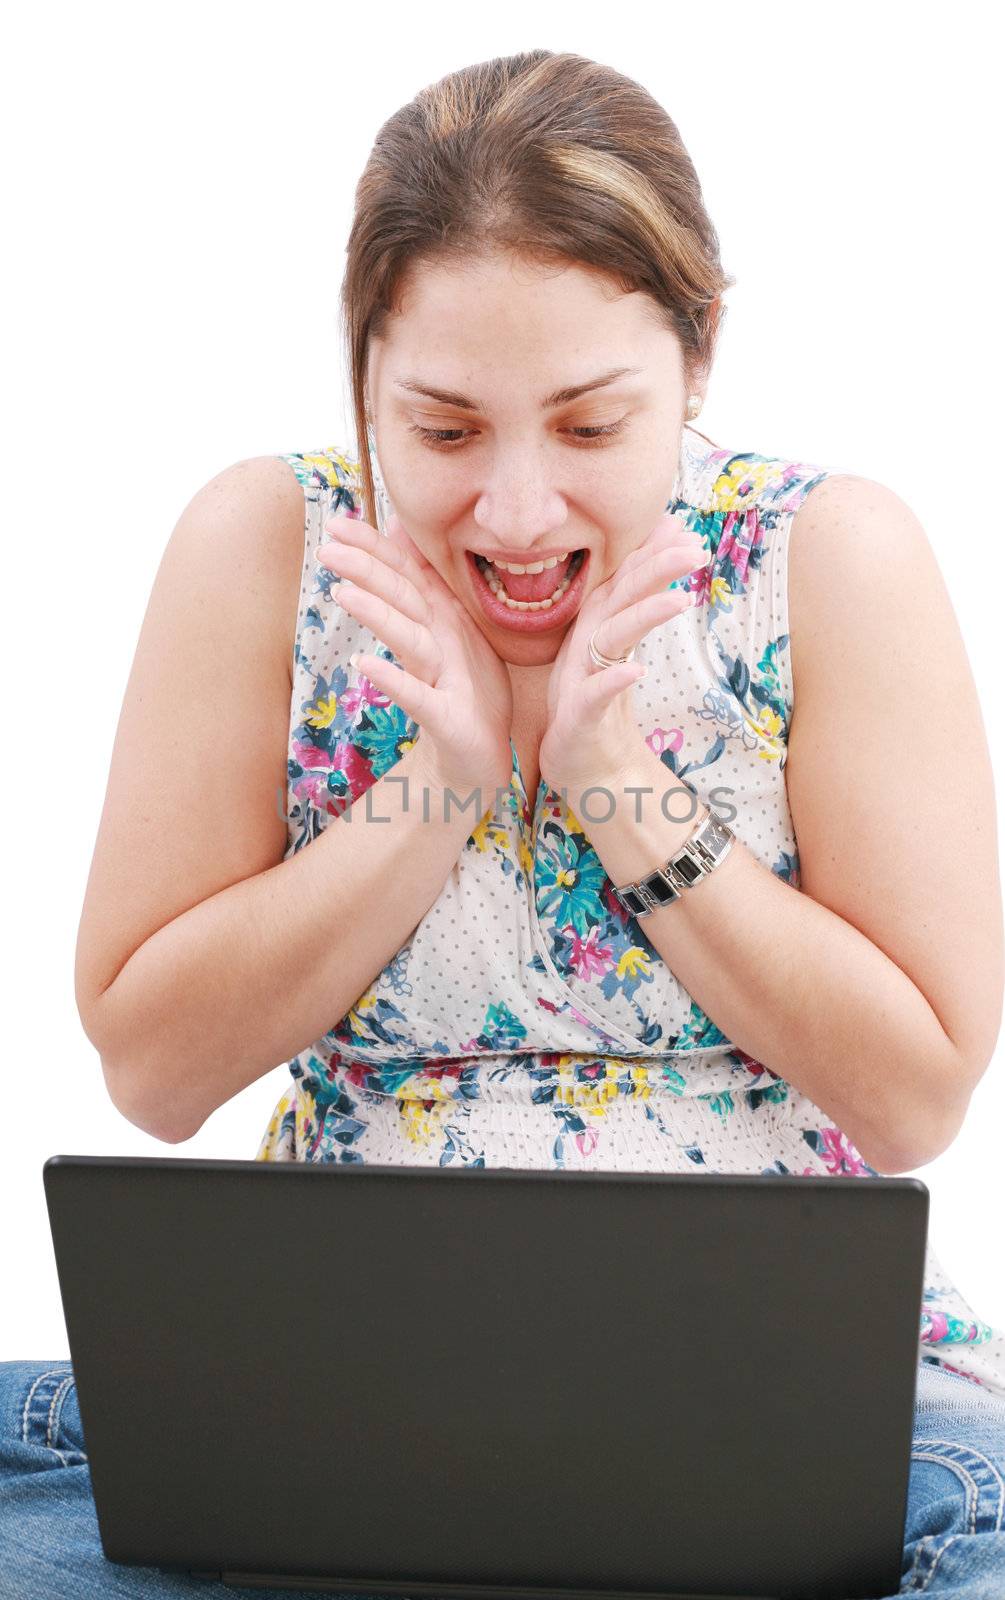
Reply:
x=581 y=631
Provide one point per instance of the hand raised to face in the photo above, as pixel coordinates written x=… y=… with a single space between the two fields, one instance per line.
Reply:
x=450 y=681
x=593 y=734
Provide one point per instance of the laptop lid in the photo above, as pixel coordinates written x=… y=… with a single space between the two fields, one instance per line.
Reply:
x=494 y=1382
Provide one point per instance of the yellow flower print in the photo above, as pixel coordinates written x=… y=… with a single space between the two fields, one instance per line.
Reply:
x=489 y=833
x=719 y=593
x=740 y=484
x=304 y=1121
x=422 y=1121
x=271 y=1135
x=634 y=962
x=420 y=1088
x=768 y=728
x=354 y=1015
x=526 y=856
x=323 y=461
x=588 y=1094
x=323 y=712
x=642 y=1082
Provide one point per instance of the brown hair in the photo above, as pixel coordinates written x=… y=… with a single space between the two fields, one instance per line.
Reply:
x=546 y=156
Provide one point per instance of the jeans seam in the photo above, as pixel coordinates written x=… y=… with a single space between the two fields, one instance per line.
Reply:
x=930 y=1574
x=909 y=1585
x=943 y=1456
x=56 y=1411
x=53 y=1414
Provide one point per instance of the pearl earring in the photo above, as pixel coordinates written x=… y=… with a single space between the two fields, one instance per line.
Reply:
x=694 y=405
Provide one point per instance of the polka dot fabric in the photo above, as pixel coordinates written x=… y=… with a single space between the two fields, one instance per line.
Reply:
x=528 y=1021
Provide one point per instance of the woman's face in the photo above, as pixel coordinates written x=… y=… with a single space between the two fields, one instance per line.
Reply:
x=521 y=472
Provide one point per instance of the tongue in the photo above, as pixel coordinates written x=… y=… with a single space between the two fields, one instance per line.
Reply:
x=534 y=585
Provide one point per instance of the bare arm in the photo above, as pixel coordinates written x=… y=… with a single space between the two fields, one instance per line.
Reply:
x=204 y=959
x=244 y=980
x=876 y=987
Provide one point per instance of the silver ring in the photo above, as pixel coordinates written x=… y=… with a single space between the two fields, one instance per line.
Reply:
x=600 y=660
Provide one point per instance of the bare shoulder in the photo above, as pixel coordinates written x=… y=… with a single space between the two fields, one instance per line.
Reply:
x=888 y=759
x=256 y=509
x=847 y=536
x=197 y=777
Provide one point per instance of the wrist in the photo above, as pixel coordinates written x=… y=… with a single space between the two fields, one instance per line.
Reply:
x=437 y=778
x=638 y=820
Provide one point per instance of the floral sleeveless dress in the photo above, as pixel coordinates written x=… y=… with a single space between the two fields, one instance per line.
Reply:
x=563 y=1040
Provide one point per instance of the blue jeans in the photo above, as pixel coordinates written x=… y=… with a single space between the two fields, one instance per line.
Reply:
x=50 y=1548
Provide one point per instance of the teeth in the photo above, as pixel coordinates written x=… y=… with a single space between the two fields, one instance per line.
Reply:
x=537 y=566
x=524 y=605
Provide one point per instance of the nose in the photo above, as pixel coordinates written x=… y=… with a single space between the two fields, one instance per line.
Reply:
x=521 y=515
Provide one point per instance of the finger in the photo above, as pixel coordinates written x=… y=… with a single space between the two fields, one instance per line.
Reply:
x=601 y=687
x=618 y=634
x=650 y=568
x=670 y=531
x=432 y=584
x=412 y=642
x=403 y=551
x=421 y=701
x=399 y=534
x=396 y=556
x=372 y=573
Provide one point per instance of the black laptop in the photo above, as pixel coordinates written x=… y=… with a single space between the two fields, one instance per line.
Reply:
x=472 y=1382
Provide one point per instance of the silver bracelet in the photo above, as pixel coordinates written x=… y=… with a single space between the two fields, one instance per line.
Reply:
x=700 y=853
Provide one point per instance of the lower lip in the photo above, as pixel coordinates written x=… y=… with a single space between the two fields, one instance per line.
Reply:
x=552 y=617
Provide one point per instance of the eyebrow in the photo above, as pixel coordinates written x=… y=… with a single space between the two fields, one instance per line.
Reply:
x=561 y=397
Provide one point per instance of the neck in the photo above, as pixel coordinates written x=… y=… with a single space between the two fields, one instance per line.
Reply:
x=529 y=686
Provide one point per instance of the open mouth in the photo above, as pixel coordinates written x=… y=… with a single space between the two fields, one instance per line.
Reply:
x=544 y=598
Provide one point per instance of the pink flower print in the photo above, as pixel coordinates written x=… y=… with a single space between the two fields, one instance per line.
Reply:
x=313 y=786
x=356 y=767
x=314 y=783
x=698 y=584
x=756 y=1067
x=586 y=1142
x=665 y=739
x=840 y=1154
x=353 y=697
x=357 y=1073
x=587 y=958
x=363 y=692
x=549 y=1005
x=447 y=1067
x=961 y=1374
x=309 y=756
x=795 y=472
x=741 y=532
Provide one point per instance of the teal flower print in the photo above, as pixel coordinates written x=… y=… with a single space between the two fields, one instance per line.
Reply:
x=570 y=879
x=721 y=1104
x=501 y=1028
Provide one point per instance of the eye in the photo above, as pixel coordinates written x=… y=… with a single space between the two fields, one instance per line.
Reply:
x=449 y=438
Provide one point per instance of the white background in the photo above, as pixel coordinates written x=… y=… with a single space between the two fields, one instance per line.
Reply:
x=179 y=182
